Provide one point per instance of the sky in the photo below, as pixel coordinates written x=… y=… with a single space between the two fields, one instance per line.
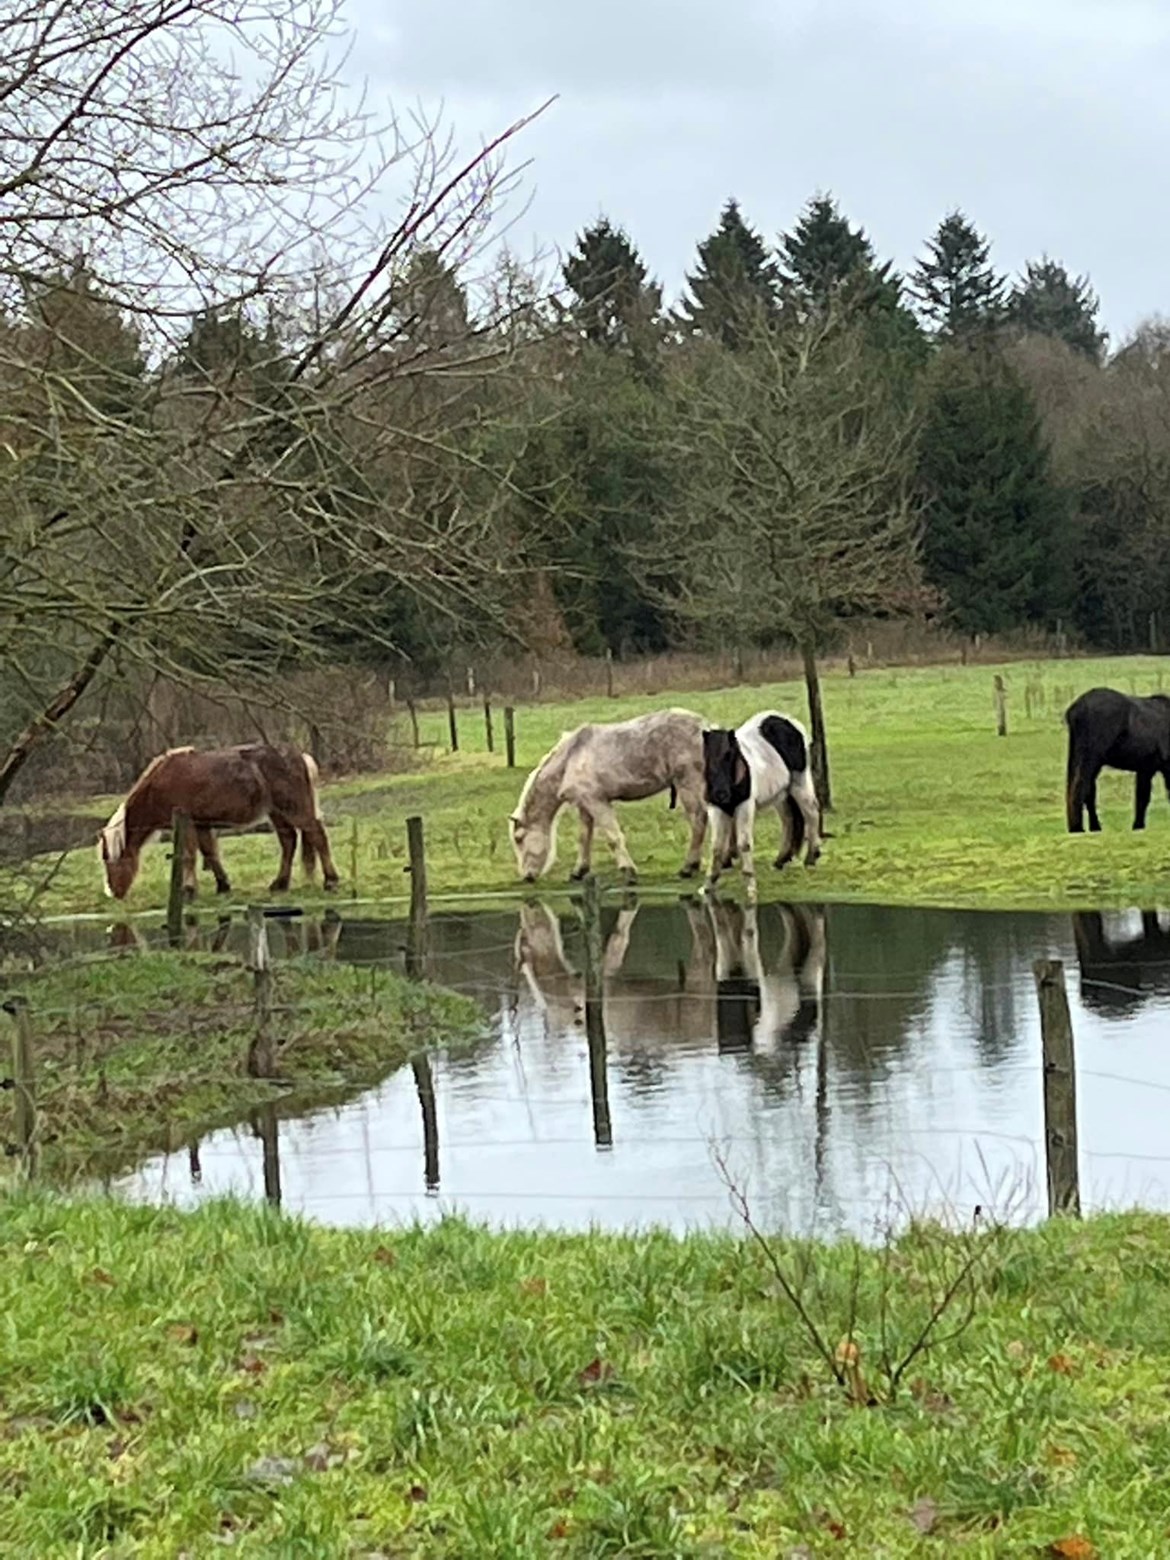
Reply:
x=1046 y=121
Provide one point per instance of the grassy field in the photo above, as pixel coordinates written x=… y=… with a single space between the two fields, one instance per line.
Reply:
x=135 y=1054
x=930 y=806
x=171 y=1384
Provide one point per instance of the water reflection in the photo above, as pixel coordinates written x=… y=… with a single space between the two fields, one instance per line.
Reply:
x=835 y=1052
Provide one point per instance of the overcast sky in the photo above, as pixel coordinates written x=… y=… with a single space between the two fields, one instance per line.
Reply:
x=1046 y=121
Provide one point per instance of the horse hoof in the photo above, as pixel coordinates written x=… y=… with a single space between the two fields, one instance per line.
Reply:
x=629 y=876
x=689 y=871
x=781 y=862
x=578 y=875
x=189 y=895
x=223 y=886
x=278 y=886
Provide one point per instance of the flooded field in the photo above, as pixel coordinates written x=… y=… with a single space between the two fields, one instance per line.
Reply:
x=846 y=1065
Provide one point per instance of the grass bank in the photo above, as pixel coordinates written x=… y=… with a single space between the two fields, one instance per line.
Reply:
x=930 y=806
x=174 y=1383
x=140 y=1053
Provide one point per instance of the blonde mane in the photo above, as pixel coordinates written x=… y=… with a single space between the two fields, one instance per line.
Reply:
x=112 y=839
x=537 y=776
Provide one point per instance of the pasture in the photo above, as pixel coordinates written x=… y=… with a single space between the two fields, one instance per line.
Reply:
x=177 y=1383
x=930 y=806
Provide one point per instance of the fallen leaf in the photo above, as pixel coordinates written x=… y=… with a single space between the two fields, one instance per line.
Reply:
x=417 y=1492
x=319 y=1458
x=596 y=1373
x=100 y=1276
x=253 y=1364
x=831 y=1524
x=1073 y=1548
x=183 y=1332
x=1064 y=1456
x=116 y=1448
x=276 y=1317
x=559 y=1529
x=1061 y=1364
x=386 y=1255
x=924 y=1515
x=534 y=1286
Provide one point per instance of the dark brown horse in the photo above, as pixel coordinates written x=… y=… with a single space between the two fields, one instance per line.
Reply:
x=227 y=788
x=1121 y=731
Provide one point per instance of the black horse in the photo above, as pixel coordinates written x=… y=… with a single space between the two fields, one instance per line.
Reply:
x=1110 y=728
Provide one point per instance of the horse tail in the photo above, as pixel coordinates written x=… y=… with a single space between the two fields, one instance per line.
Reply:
x=796 y=817
x=312 y=774
x=673 y=794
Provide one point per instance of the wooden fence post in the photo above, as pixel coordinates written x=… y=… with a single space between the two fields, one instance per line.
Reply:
x=595 y=1014
x=471 y=682
x=1060 y=1089
x=489 y=734
x=413 y=713
x=416 y=932
x=425 y=1084
x=608 y=672
x=1153 y=633
x=24 y=1084
x=852 y=665
x=260 y=1059
x=510 y=735
x=452 y=727
x=180 y=823
x=1000 y=707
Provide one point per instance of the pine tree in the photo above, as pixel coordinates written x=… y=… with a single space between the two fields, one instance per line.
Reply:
x=997 y=525
x=1048 y=302
x=957 y=288
x=827 y=264
x=733 y=285
x=615 y=303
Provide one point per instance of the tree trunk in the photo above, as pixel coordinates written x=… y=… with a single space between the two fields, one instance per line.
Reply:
x=816 y=717
x=44 y=724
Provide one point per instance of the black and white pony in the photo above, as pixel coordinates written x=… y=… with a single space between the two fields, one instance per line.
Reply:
x=763 y=763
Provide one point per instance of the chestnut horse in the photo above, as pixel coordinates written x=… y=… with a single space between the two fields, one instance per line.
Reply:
x=226 y=788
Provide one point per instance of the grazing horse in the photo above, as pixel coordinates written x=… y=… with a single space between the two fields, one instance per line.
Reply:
x=763 y=763
x=593 y=767
x=227 y=788
x=1110 y=728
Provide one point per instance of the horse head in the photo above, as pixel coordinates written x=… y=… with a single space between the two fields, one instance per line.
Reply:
x=533 y=843
x=725 y=769
x=119 y=865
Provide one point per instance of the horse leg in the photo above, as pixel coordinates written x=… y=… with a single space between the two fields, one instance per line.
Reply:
x=1091 y=804
x=318 y=841
x=803 y=793
x=606 y=819
x=287 y=836
x=584 y=847
x=720 y=842
x=1142 y=786
x=792 y=833
x=745 y=825
x=190 y=847
x=209 y=850
x=696 y=811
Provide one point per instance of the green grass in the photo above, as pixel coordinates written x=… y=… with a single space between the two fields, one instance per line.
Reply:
x=930 y=806
x=143 y=1052
x=174 y=1383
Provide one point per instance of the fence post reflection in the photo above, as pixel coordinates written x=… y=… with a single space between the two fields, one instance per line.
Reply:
x=264 y=1125
x=425 y=1084
x=194 y=1163
x=595 y=1015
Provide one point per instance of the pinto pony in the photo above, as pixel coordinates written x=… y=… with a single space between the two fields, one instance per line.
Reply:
x=763 y=763
x=593 y=767
x=227 y=788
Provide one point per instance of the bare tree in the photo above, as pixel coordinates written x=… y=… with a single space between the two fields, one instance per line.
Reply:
x=171 y=158
x=794 y=457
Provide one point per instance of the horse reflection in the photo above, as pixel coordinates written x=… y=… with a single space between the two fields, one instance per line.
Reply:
x=1120 y=974
x=726 y=990
x=288 y=936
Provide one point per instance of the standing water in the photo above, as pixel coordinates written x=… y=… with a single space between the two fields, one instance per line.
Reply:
x=844 y=1066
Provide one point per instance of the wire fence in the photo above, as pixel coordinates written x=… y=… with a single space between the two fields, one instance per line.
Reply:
x=273 y=993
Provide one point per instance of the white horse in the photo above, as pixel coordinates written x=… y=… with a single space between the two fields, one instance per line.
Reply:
x=596 y=765
x=763 y=763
